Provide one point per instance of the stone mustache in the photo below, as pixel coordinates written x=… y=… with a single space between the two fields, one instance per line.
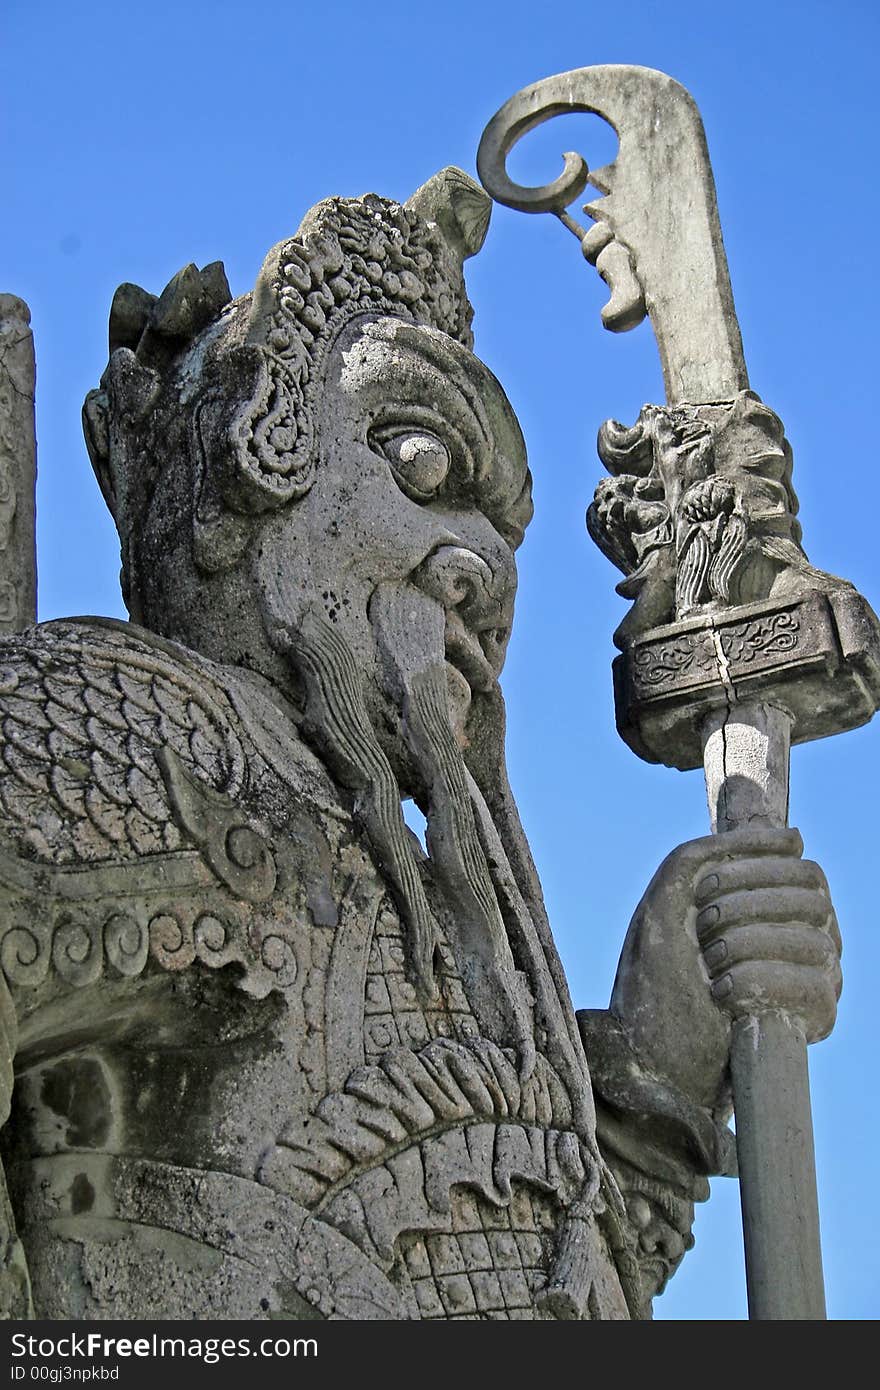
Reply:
x=271 y=1058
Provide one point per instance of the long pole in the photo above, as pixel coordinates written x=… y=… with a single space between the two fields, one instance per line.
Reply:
x=746 y=761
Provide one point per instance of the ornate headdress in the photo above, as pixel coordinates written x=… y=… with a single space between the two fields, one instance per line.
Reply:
x=351 y=256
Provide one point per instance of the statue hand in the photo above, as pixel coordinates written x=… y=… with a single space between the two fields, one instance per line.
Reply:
x=769 y=935
x=730 y=924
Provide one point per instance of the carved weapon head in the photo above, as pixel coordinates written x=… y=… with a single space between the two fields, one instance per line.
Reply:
x=699 y=512
x=656 y=239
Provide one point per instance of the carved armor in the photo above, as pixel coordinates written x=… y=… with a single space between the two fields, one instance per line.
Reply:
x=405 y=1141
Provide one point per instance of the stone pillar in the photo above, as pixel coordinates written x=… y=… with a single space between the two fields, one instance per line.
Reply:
x=18 y=609
x=18 y=467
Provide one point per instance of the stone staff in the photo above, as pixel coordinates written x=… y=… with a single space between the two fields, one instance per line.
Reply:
x=735 y=646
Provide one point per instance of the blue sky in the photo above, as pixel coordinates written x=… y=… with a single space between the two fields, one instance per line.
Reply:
x=138 y=138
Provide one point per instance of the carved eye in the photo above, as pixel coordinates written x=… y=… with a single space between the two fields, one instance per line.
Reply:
x=419 y=460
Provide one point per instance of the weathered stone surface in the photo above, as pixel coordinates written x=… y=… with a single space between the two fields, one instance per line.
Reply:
x=746 y=760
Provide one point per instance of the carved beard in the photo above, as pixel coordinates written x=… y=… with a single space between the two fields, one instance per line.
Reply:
x=466 y=854
x=409 y=628
x=486 y=888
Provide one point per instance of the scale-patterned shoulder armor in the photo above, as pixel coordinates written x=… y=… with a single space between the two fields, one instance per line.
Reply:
x=92 y=713
x=140 y=824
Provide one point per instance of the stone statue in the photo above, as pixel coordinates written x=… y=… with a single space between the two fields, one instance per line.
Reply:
x=273 y=1059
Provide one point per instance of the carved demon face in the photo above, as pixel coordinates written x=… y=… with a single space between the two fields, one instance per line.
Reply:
x=421 y=485
x=324 y=467
x=418 y=495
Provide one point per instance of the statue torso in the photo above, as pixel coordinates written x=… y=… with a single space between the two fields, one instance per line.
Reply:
x=223 y=1067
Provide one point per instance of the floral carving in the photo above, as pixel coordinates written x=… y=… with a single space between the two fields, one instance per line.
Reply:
x=777 y=633
x=655 y=664
x=693 y=654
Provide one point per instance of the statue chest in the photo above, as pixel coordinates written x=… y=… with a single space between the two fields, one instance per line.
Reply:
x=378 y=1118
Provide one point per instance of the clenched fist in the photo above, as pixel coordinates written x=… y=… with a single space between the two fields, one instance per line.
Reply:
x=731 y=924
x=769 y=935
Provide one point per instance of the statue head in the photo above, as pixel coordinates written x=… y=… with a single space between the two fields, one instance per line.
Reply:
x=320 y=482
x=291 y=451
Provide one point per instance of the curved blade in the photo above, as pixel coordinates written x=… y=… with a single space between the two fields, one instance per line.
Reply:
x=659 y=209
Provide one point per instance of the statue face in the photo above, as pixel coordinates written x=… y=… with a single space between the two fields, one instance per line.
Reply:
x=421 y=485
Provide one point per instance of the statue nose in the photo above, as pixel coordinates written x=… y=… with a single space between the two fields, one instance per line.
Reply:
x=459 y=578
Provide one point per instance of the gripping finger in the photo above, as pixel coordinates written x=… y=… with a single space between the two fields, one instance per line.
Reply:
x=757 y=842
x=794 y=945
x=764 y=905
x=807 y=994
x=743 y=875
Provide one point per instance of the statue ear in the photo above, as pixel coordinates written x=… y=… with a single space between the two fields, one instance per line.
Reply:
x=458 y=206
x=253 y=432
x=220 y=535
x=112 y=424
x=252 y=450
